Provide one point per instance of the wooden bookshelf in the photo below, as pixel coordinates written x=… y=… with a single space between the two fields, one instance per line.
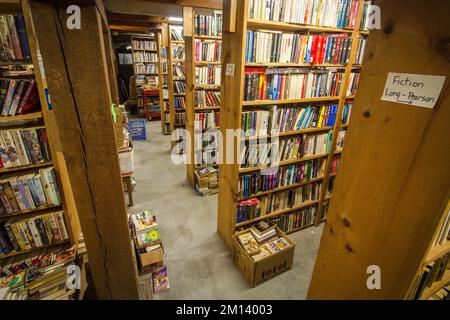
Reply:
x=237 y=22
x=162 y=49
x=27 y=213
x=174 y=45
x=17 y=253
x=21 y=117
x=27 y=167
x=191 y=87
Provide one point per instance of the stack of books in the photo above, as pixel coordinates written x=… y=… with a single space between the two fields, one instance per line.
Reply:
x=206 y=181
x=149 y=248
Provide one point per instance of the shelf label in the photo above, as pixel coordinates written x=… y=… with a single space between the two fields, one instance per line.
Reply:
x=229 y=71
x=413 y=89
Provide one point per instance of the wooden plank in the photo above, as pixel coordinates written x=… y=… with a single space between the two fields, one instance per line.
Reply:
x=233 y=47
x=188 y=22
x=82 y=122
x=393 y=181
x=209 y=4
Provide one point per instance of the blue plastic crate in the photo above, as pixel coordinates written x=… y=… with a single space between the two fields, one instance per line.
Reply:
x=137 y=129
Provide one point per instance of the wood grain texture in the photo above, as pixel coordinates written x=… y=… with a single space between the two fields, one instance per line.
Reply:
x=393 y=180
x=76 y=76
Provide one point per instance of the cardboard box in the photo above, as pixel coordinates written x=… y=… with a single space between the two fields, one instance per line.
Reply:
x=126 y=159
x=151 y=260
x=257 y=272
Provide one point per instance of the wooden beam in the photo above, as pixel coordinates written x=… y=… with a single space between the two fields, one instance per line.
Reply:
x=207 y=4
x=76 y=77
x=394 y=177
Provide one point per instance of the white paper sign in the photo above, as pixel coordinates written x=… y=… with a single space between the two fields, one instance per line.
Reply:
x=229 y=71
x=413 y=89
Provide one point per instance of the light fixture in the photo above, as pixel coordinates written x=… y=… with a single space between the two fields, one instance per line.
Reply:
x=175 y=19
x=128 y=47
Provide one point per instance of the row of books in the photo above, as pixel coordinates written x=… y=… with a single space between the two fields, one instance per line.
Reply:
x=340 y=140
x=18 y=96
x=431 y=273
x=142 y=56
x=20 y=147
x=145 y=69
x=335 y=163
x=326 y=13
x=353 y=84
x=442 y=294
x=180 y=119
x=250 y=184
x=27 y=192
x=300 y=219
x=362 y=42
x=207 y=50
x=18 y=234
x=290 y=83
x=210 y=25
x=143 y=44
x=178 y=52
x=176 y=33
x=179 y=103
x=207 y=98
x=263 y=122
x=346 y=113
x=179 y=70
x=260 y=154
x=205 y=157
x=278 y=47
x=206 y=120
x=208 y=75
x=179 y=86
x=13 y=37
x=207 y=141
x=262 y=240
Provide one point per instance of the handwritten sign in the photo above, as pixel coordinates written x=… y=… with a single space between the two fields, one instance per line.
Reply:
x=413 y=89
x=229 y=71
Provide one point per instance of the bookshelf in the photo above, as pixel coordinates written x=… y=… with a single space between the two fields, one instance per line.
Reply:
x=163 y=80
x=391 y=193
x=244 y=98
x=177 y=80
x=203 y=72
x=24 y=158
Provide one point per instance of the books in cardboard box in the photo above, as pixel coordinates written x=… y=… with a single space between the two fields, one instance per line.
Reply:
x=277 y=245
x=249 y=243
x=145 y=228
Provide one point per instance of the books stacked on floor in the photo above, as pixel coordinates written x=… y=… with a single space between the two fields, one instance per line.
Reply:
x=206 y=181
x=18 y=234
x=326 y=13
x=208 y=75
x=207 y=50
x=290 y=83
x=28 y=192
x=282 y=47
x=207 y=98
x=262 y=240
x=210 y=25
x=432 y=273
x=18 y=97
x=21 y=147
x=40 y=275
x=13 y=37
x=149 y=248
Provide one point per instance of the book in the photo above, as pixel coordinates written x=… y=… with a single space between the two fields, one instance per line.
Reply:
x=160 y=279
x=277 y=245
x=249 y=243
x=260 y=228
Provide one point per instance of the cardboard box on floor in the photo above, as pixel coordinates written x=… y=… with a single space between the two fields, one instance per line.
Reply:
x=150 y=260
x=257 y=272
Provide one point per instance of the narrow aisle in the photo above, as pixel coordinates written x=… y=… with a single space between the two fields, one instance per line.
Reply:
x=198 y=261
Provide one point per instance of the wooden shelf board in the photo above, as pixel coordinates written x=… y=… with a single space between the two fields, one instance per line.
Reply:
x=278 y=213
x=204 y=63
x=303 y=65
x=22 y=117
x=32 y=166
x=271 y=102
x=176 y=42
x=437 y=251
x=284 y=188
x=17 y=253
x=201 y=36
x=289 y=133
x=286 y=26
x=26 y=212
x=206 y=108
x=284 y=163
x=15 y=62
x=436 y=286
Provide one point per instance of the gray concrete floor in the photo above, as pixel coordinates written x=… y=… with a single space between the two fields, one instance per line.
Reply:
x=198 y=262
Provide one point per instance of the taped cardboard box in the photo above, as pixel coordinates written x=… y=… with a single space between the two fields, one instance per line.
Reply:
x=257 y=272
x=151 y=260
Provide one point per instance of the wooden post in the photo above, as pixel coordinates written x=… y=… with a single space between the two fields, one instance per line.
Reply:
x=393 y=180
x=73 y=67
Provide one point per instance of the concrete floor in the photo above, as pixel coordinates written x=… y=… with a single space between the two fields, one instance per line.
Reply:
x=198 y=262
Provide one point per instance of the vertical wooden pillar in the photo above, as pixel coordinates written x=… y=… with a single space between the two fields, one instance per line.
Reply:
x=74 y=66
x=393 y=180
